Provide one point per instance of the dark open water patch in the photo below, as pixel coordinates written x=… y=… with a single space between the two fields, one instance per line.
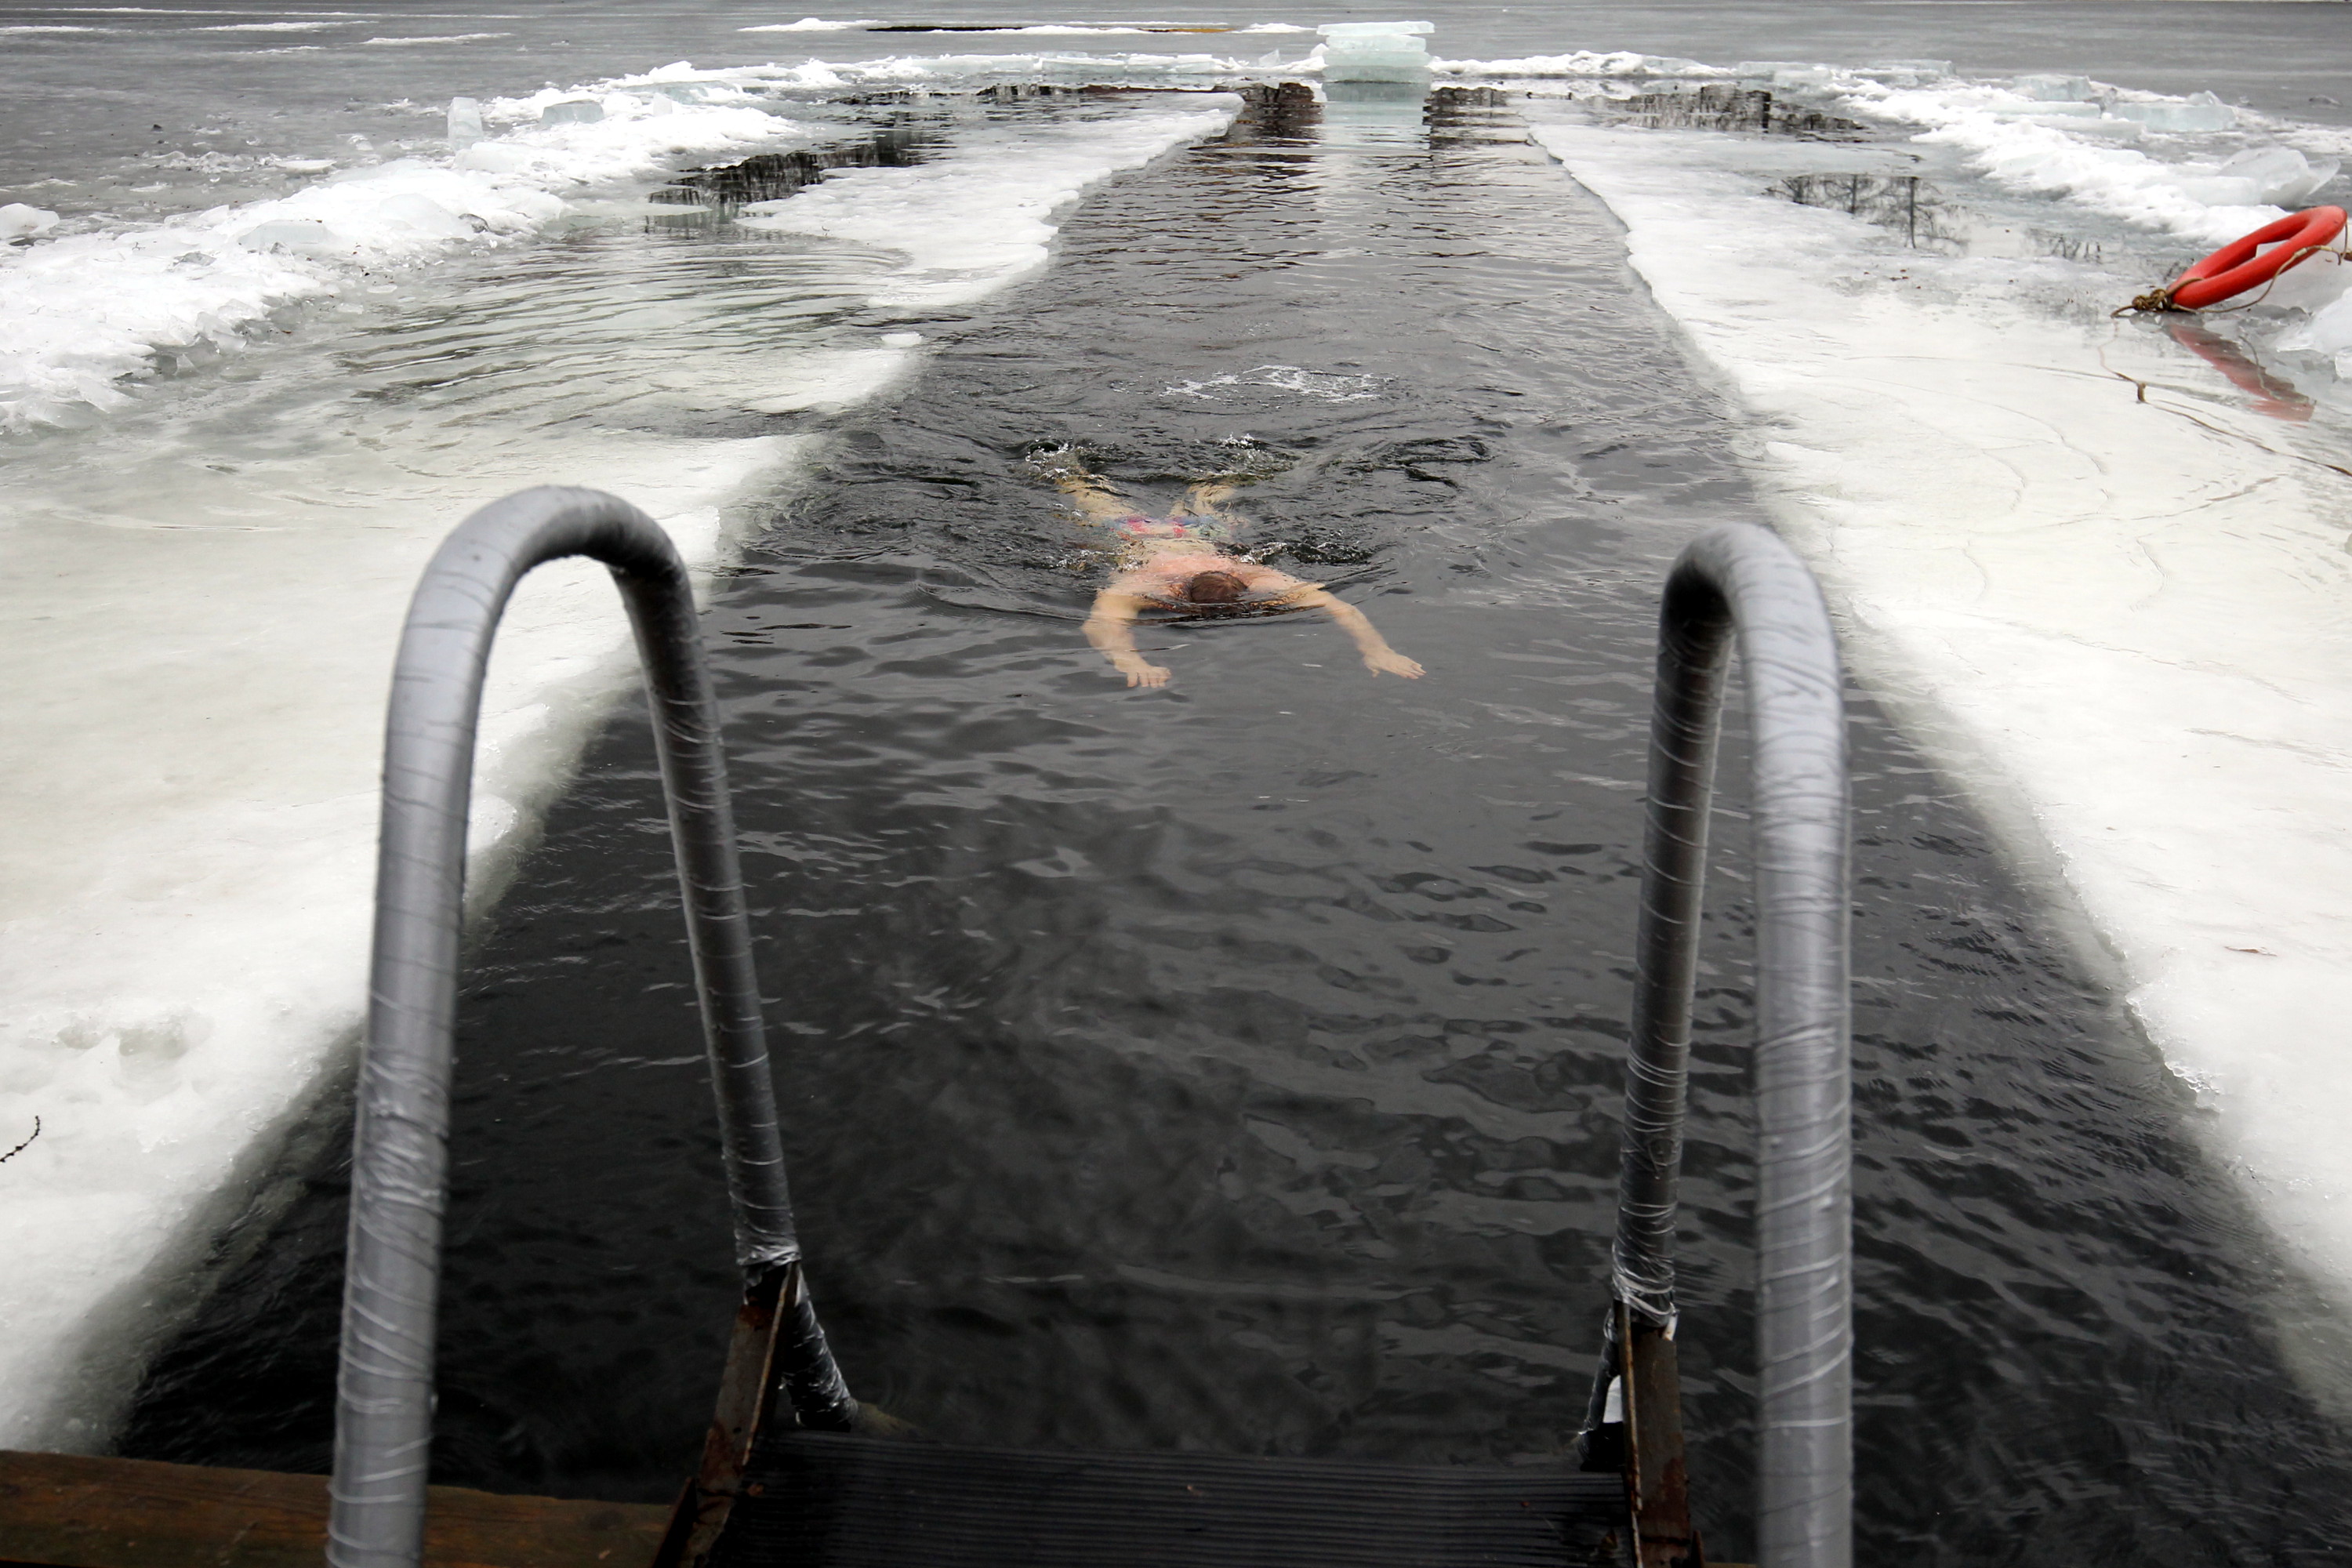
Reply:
x=1236 y=1066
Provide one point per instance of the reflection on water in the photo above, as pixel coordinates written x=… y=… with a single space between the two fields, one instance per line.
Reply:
x=1718 y=106
x=2268 y=394
x=773 y=176
x=1927 y=218
x=1236 y=1066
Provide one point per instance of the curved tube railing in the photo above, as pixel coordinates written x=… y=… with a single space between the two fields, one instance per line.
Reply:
x=1743 y=585
x=384 y=1418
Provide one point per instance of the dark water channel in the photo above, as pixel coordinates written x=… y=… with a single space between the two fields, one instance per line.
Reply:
x=1235 y=1066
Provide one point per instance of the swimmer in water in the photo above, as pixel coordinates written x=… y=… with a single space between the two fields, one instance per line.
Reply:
x=1174 y=563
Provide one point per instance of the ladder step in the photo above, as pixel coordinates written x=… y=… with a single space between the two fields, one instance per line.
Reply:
x=812 y=1498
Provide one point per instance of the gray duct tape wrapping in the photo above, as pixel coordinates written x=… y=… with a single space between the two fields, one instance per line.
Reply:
x=1743 y=585
x=384 y=1414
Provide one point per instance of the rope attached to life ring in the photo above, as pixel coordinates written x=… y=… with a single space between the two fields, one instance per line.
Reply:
x=2212 y=280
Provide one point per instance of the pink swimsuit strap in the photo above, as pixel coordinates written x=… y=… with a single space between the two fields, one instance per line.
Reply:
x=1152 y=528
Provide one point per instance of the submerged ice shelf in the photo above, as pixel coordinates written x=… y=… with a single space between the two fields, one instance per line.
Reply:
x=204 y=600
x=91 y=312
x=2122 y=611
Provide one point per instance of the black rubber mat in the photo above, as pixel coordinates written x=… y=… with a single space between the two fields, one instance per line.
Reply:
x=816 y=1498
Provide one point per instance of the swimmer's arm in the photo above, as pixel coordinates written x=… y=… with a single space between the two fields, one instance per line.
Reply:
x=1378 y=655
x=1111 y=629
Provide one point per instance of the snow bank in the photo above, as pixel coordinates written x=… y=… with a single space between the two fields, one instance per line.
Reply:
x=2121 y=621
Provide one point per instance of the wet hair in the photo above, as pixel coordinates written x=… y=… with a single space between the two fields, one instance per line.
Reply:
x=1216 y=588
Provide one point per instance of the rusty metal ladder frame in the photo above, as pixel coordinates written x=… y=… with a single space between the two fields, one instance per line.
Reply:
x=1743 y=587
x=384 y=1416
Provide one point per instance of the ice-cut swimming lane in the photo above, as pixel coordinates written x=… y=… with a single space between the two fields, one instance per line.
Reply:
x=2103 y=580
x=1232 y=1066
x=206 y=579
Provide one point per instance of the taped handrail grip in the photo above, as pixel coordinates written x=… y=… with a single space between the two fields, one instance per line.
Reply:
x=384 y=1415
x=1743 y=587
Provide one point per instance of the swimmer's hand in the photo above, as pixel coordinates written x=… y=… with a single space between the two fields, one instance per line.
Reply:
x=1139 y=673
x=1389 y=661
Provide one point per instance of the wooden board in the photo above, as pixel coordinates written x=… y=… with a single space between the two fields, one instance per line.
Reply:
x=68 y=1510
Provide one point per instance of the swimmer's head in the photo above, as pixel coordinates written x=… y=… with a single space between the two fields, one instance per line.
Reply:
x=1216 y=588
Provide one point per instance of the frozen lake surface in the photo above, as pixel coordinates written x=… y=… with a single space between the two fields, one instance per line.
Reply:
x=1231 y=1066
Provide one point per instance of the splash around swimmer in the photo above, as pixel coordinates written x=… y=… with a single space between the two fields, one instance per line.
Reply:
x=1179 y=563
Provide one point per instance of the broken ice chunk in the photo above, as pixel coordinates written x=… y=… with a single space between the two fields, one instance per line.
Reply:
x=2278 y=176
x=2202 y=112
x=18 y=220
x=2052 y=111
x=2053 y=89
x=1375 y=51
x=1785 y=73
x=2329 y=332
x=2105 y=126
x=426 y=215
x=306 y=237
x=572 y=111
x=465 y=124
x=488 y=158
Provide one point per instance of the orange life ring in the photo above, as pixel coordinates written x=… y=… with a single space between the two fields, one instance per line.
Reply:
x=2235 y=267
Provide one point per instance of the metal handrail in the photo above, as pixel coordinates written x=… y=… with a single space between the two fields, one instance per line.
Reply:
x=1743 y=585
x=384 y=1417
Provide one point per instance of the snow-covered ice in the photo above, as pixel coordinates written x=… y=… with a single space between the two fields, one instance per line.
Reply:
x=970 y=222
x=2121 y=618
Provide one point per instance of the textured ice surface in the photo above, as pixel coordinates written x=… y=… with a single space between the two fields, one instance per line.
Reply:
x=2123 y=619
x=199 y=662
